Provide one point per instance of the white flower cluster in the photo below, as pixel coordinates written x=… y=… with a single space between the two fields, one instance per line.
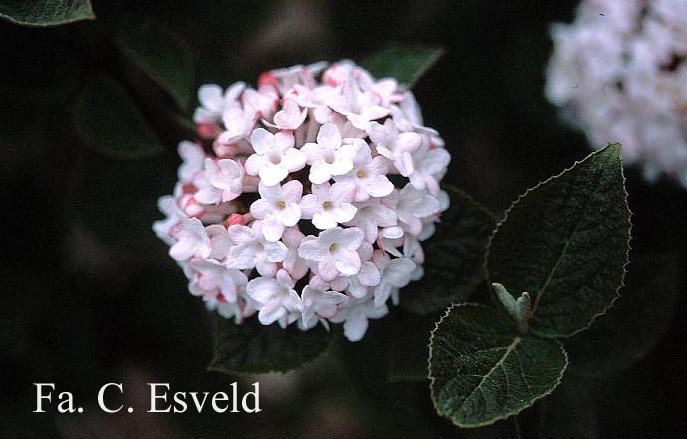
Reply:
x=312 y=203
x=621 y=71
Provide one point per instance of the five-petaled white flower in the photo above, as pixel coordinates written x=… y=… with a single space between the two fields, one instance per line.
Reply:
x=253 y=250
x=329 y=205
x=326 y=157
x=225 y=178
x=368 y=174
x=275 y=299
x=334 y=251
x=275 y=157
x=278 y=208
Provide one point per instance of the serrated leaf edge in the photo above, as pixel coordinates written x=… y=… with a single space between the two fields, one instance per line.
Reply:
x=629 y=231
x=505 y=415
x=89 y=16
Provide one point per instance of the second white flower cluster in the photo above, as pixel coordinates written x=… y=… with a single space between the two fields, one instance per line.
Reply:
x=312 y=205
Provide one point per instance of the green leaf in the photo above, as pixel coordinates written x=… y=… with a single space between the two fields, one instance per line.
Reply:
x=163 y=58
x=566 y=242
x=110 y=123
x=46 y=12
x=404 y=63
x=254 y=348
x=569 y=413
x=482 y=369
x=454 y=268
x=635 y=324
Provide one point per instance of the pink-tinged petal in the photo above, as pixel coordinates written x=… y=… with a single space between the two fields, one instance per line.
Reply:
x=284 y=141
x=183 y=250
x=355 y=326
x=210 y=96
x=262 y=141
x=376 y=312
x=262 y=289
x=290 y=215
x=270 y=313
x=319 y=173
x=379 y=186
x=380 y=165
x=408 y=141
x=265 y=267
x=352 y=238
x=394 y=232
x=329 y=136
x=292 y=191
x=293 y=160
x=342 y=165
x=241 y=234
x=327 y=269
x=381 y=294
x=309 y=206
x=324 y=220
x=293 y=302
x=271 y=174
x=293 y=237
x=343 y=192
x=220 y=243
x=313 y=251
x=369 y=274
x=397 y=273
x=240 y=257
x=208 y=195
x=275 y=251
x=345 y=212
x=271 y=193
x=404 y=164
x=348 y=262
x=312 y=152
x=385 y=217
x=254 y=163
x=261 y=208
x=272 y=228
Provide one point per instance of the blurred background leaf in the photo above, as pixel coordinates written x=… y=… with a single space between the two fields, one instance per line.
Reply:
x=111 y=124
x=163 y=57
x=403 y=62
x=46 y=12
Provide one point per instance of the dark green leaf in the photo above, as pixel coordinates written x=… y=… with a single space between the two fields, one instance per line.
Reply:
x=110 y=123
x=566 y=241
x=636 y=322
x=482 y=369
x=163 y=58
x=255 y=348
x=454 y=267
x=569 y=413
x=404 y=63
x=46 y=12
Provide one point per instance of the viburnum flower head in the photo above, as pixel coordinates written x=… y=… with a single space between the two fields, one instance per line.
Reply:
x=620 y=72
x=306 y=199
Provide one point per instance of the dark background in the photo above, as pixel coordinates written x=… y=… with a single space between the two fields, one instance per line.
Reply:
x=89 y=295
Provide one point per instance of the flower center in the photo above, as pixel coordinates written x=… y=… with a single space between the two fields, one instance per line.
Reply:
x=360 y=173
x=281 y=204
x=326 y=204
x=275 y=159
x=332 y=247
